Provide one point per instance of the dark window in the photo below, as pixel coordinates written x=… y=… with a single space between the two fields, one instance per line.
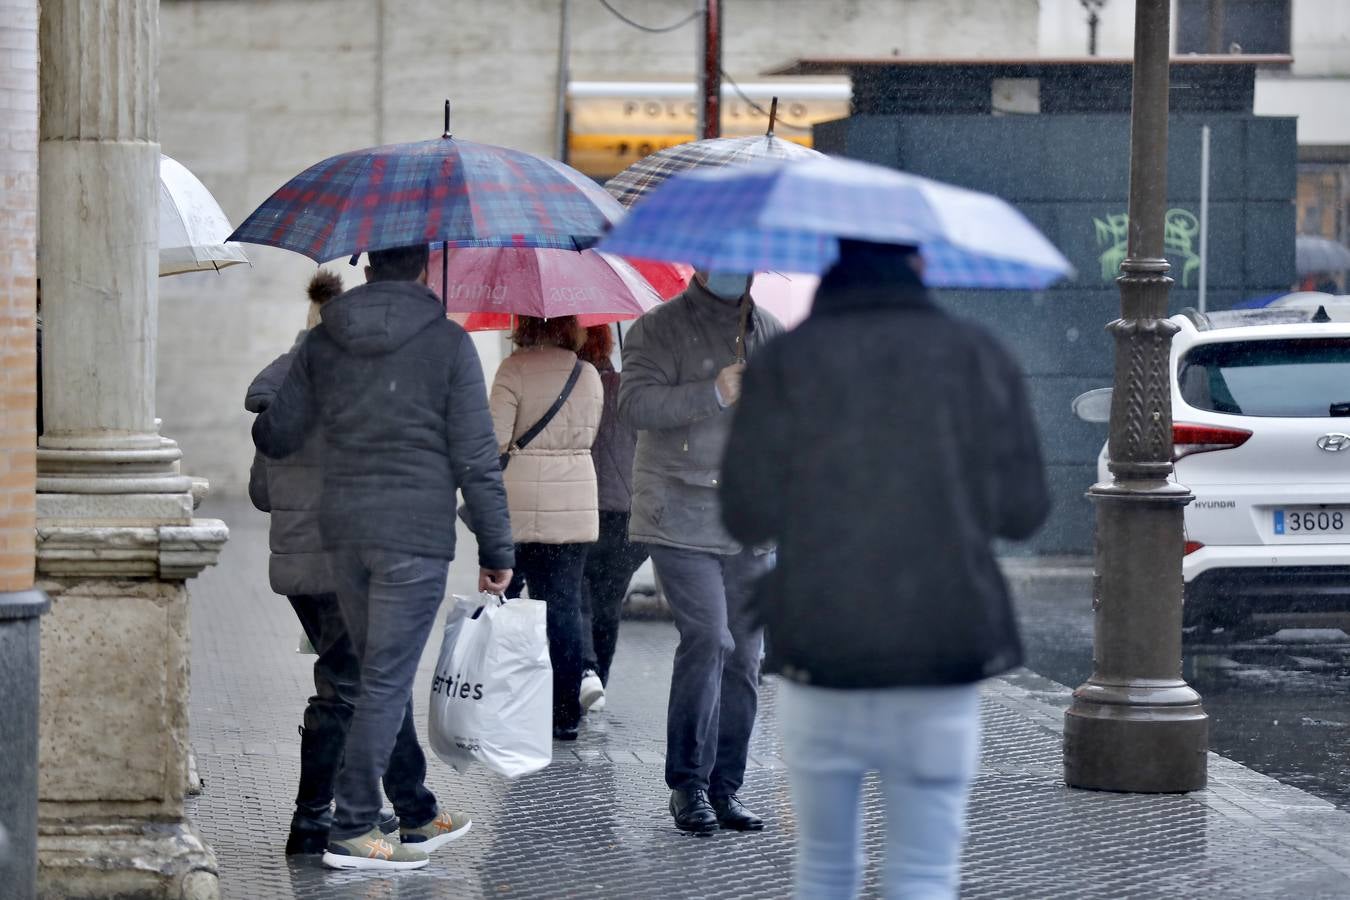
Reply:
x=1257 y=26
x=1304 y=377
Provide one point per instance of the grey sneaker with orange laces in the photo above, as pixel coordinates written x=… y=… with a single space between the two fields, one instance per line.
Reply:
x=446 y=827
x=373 y=850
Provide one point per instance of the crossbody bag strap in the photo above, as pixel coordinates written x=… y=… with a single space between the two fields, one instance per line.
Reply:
x=538 y=427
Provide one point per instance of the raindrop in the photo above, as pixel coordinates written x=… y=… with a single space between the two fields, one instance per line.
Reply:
x=1071 y=335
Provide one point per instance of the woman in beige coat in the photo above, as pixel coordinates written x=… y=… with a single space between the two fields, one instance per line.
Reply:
x=551 y=488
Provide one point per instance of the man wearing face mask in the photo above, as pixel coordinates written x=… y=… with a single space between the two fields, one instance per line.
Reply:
x=682 y=367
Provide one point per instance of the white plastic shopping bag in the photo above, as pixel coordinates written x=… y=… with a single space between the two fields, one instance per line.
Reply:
x=492 y=694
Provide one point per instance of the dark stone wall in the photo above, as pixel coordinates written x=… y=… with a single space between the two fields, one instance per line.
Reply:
x=1069 y=174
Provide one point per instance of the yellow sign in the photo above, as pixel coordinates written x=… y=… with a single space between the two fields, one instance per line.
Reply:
x=612 y=124
x=606 y=155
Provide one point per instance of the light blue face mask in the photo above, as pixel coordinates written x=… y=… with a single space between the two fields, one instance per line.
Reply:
x=727 y=285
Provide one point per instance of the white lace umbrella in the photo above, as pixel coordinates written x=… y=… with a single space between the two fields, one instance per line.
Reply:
x=192 y=226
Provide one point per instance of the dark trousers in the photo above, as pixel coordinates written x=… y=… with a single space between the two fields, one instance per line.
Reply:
x=337 y=675
x=610 y=565
x=553 y=573
x=389 y=602
x=714 y=689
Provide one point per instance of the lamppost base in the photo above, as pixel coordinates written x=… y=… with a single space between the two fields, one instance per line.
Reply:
x=1136 y=747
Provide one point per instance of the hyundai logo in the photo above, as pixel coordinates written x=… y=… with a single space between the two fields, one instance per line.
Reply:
x=1334 y=442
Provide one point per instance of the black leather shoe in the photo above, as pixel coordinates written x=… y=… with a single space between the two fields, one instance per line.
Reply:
x=565 y=732
x=692 y=811
x=732 y=814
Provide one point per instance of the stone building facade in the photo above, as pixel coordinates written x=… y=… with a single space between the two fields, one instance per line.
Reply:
x=1315 y=87
x=252 y=92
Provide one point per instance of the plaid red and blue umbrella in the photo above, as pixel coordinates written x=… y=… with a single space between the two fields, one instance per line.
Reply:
x=447 y=190
x=646 y=174
x=788 y=216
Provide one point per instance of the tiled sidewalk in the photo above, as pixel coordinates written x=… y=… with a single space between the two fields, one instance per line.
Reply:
x=593 y=825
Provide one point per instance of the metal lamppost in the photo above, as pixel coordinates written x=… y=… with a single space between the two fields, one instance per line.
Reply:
x=1136 y=725
x=1093 y=7
x=710 y=70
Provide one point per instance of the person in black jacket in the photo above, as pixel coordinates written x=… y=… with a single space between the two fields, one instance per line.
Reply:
x=883 y=446
x=398 y=392
x=611 y=561
x=289 y=489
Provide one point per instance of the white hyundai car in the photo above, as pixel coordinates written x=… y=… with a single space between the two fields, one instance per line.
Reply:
x=1261 y=436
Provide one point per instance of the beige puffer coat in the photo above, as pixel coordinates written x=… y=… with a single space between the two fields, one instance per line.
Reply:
x=550 y=485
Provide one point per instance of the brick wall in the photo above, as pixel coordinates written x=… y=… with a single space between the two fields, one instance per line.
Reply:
x=18 y=272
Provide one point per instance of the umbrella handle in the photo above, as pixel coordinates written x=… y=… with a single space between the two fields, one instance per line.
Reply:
x=741 y=354
x=445 y=255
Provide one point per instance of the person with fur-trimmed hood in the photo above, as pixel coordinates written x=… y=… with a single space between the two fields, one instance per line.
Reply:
x=300 y=569
x=397 y=391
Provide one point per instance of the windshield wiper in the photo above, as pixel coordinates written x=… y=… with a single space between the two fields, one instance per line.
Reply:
x=1340 y=409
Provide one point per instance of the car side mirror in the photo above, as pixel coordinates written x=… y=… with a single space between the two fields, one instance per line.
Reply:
x=1093 y=406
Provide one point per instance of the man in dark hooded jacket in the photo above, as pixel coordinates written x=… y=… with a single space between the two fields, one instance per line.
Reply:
x=883 y=446
x=398 y=392
x=289 y=490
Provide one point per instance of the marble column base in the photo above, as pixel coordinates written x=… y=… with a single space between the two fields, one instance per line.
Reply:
x=126 y=860
x=172 y=552
x=101 y=466
x=113 y=718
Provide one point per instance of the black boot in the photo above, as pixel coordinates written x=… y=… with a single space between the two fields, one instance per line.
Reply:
x=692 y=811
x=322 y=739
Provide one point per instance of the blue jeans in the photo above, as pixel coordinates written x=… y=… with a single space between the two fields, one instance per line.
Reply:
x=337 y=676
x=389 y=602
x=923 y=742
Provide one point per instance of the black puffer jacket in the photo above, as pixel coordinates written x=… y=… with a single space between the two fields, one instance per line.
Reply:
x=290 y=490
x=399 y=393
x=883 y=445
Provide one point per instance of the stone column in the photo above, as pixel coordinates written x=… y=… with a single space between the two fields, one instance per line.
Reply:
x=116 y=537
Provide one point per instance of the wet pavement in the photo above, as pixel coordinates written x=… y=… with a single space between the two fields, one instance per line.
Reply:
x=1279 y=703
x=593 y=824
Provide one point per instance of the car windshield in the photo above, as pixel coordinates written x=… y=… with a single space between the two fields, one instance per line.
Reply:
x=1285 y=378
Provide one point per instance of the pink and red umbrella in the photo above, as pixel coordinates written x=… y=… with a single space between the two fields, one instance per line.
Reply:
x=490 y=286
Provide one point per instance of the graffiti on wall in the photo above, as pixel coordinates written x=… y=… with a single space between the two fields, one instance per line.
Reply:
x=1181 y=243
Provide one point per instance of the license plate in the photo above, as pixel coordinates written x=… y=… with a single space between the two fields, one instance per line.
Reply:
x=1312 y=520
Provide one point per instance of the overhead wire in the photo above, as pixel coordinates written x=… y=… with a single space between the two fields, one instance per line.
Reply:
x=650 y=29
x=756 y=107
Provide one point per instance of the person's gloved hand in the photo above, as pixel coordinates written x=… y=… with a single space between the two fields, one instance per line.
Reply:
x=493 y=581
x=729 y=383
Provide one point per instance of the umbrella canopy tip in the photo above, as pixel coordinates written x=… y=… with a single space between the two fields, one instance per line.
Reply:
x=773 y=116
x=446 y=135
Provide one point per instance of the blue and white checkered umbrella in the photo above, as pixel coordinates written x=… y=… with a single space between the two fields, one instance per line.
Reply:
x=788 y=216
